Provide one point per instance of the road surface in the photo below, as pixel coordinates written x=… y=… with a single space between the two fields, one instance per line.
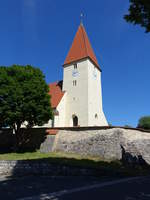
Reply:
x=74 y=188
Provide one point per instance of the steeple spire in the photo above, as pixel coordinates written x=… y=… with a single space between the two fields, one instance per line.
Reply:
x=81 y=48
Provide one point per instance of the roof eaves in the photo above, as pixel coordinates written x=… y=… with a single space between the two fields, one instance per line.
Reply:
x=75 y=61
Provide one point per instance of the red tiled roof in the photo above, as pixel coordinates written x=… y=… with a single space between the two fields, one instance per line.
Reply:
x=81 y=48
x=56 y=93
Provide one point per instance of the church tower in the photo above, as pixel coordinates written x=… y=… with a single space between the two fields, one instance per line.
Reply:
x=82 y=84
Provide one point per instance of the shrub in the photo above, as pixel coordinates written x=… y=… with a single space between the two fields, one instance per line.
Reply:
x=127 y=126
x=144 y=122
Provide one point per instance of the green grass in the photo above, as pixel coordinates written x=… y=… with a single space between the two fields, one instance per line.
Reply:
x=59 y=158
x=26 y=156
x=105 y=168
x=63 y=159
x=39 y=155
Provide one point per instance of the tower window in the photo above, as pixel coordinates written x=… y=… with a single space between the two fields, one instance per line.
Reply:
x=74 y=82
x=75 y=66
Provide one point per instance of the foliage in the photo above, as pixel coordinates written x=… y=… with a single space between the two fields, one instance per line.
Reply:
x=23 y=97
x=144 y=122
x=127 y=126
x=139 y=13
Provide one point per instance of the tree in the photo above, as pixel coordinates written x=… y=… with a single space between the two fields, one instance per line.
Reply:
x=139 y=13
x=24 y=98
x=144 y=122
x=127 y=126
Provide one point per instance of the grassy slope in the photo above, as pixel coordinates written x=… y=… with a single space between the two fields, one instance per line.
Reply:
x=106 y=168
x=60 y=158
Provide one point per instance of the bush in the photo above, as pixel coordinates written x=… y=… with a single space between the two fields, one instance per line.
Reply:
x=127 y=126
x=144 y=122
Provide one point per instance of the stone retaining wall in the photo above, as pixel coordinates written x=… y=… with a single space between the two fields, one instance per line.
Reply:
x=111 y=144
x=47 y=145
x=22 y=168
x=133 y=146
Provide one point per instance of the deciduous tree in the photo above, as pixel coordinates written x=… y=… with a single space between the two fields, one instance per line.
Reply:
x=139 y=13
x=144 y=122
x=24 y=98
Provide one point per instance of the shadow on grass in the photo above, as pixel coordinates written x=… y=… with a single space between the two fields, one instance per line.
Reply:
x=63 y=166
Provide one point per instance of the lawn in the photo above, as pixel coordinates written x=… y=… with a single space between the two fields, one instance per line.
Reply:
x=105 y=167
x=62 y=158
x=39 y=155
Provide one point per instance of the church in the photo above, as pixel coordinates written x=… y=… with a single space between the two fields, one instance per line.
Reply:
x=77 y=99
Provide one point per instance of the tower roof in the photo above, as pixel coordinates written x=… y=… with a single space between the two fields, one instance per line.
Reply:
x=81 y=48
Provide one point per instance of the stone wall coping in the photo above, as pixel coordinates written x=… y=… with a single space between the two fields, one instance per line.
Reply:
x=84 y=128
x=97 y=128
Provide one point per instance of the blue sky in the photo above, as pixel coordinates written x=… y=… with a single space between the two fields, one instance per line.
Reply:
x=40 y=32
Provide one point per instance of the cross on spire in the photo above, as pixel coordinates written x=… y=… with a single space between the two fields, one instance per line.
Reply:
x=81 y=18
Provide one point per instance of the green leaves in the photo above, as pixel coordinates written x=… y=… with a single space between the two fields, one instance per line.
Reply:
x=23 y=96
x=139 y=13
x=144 y=122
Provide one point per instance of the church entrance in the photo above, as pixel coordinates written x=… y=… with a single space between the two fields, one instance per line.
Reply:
x=75 y=120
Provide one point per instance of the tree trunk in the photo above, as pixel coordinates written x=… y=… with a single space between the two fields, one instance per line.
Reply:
x=17 y=136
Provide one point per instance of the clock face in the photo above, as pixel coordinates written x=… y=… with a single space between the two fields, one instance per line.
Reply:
x=75 y=73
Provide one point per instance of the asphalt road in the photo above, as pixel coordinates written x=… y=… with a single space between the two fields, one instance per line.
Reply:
x=74 y=188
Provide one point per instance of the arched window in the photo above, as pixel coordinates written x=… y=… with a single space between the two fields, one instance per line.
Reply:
x=75 y=120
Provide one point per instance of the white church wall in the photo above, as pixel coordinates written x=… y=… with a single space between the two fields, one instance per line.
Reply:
x=83 y=99
x=49 y=124
x=76 y=102
x=96 y=116
x=59 y=120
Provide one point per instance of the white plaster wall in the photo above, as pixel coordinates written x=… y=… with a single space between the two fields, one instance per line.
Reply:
x=49 y=124
x=76 y=101
x=85 y=99
x=95 y=97
x=59 y=120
